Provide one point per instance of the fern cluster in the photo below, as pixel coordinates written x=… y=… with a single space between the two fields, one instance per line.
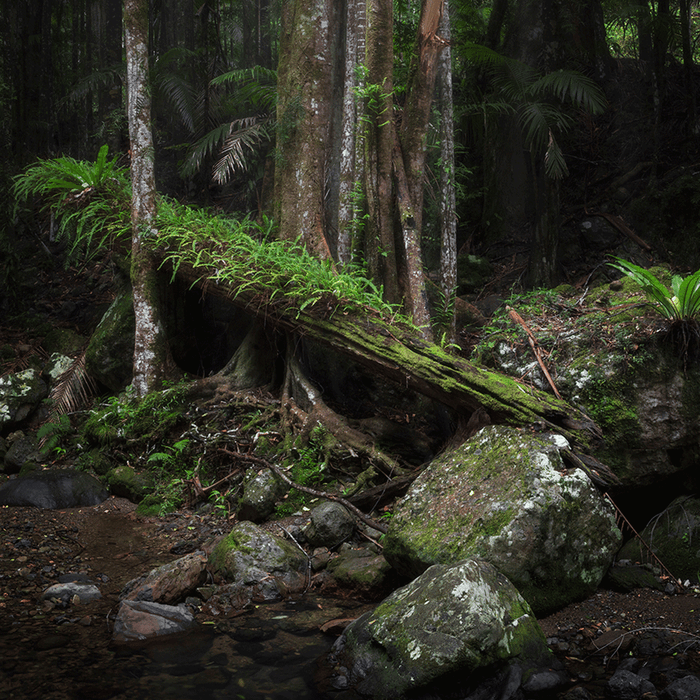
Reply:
x=88 y=201
x=91 y=204
x=679 y=303
x=245 y=254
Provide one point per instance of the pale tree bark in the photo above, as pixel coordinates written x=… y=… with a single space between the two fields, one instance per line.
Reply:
x=304 y=117
x=448 y=213
x=349 y=166
x=150 y=347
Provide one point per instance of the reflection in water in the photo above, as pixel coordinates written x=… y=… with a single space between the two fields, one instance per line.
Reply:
x=269 y=653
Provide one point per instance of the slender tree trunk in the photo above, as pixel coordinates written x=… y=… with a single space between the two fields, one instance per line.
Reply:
x=304 y=87
x=448 y=214
x=151 y=359
x=378 y=133
x=348 y=171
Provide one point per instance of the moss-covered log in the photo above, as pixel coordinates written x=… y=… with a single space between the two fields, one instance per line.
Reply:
x=397 y=352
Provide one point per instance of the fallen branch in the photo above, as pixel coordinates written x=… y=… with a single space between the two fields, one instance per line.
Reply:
x=515 y=316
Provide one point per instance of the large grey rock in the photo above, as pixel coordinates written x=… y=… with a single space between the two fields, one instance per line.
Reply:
x=448 y=623
x=252 y=558
x=505 y=496
x=138 y=620
x=169 y=583
x=261 y=491
x=53 y=488
x=20 y=394
x=330 y=524
x=67 y=592
x=23 y=448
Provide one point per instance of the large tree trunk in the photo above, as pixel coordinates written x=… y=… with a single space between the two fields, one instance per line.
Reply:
x=304 y=115
x=151 y=357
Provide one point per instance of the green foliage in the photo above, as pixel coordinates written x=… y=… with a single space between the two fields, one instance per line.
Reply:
x=90 y=201
x=126 y=416
x=679 y=303
x=225 y=250
x=537 y=101
x=52 y=434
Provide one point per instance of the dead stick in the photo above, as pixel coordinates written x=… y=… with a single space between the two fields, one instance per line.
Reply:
x=533 y=344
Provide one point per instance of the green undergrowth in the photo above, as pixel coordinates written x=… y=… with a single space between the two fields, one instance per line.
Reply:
x=171 y=441
x=90 y=203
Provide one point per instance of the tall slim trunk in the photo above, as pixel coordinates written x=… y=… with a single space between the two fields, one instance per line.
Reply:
x=151 y=358
x=448 y=213
x=351 y=107
x=378 y=133
x=304 y=91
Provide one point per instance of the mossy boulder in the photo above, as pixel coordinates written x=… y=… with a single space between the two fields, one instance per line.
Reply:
x=449 y=623
x=109 y=356
x=361 y=570
x=506 y=496
x=261 y=491
x=268 y=566
x=124 y=481
x=20 y=395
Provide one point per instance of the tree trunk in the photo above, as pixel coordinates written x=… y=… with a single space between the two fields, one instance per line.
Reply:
x=399 y=354
x=304 y=88
x=151 y=358
x=448 y=213
x=378 y=141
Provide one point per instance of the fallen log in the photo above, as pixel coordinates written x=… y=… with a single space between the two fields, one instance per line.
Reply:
x=396 y=351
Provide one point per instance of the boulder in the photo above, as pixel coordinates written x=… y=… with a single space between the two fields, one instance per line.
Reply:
x=109 y=357
x=20 y=394
x=444 y=626
x=361 y=570
x=674 y=536
x=506 y=496
x=23 y=449
x=53 y=488
x=252 y=558
x=170 y=583
x=261 y=491
x=125 y=482
x=330 y=524
x=72 y=592
x=138 y=620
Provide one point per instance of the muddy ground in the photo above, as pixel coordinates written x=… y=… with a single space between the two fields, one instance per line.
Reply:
x=66 y=653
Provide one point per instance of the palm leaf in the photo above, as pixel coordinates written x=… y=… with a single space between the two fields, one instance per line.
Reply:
x=73 y=390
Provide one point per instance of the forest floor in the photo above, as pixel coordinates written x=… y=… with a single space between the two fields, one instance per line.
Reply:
x=58 y=653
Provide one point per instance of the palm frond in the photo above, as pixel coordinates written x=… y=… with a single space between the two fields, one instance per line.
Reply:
x=179 y=93
x=233 y=150
x=570 y=86
x=73 y=390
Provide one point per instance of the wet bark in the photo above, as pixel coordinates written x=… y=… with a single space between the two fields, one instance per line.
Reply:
x=151 y=357
x=398 y=353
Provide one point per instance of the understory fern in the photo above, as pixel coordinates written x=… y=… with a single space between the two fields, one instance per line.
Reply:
x=91 y=206
x=89 y=202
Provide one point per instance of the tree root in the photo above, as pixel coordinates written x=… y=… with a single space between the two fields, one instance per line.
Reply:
x=318 y=412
